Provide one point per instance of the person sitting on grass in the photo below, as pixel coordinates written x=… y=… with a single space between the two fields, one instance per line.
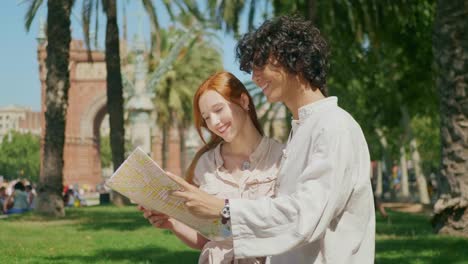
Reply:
x=19 y=200
x=31 y=196
x=3 y=198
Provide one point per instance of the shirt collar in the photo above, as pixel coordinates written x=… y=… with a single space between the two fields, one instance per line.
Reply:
x=260 y=150
x=218 y=158
x=307 y=110
x=254 y=156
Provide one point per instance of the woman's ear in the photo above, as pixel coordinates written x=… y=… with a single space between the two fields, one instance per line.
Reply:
x=245 y=101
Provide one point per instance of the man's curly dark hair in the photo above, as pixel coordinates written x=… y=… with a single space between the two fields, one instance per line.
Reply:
x=294 y=42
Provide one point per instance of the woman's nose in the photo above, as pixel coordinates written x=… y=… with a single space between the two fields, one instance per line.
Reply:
x=214 y=120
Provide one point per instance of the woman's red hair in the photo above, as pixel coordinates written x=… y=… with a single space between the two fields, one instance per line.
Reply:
x=228 y=86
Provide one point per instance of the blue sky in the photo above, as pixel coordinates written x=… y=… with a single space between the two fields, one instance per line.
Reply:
x=18 y=49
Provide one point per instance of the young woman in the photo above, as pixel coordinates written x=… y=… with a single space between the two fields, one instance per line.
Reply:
x=237 y=162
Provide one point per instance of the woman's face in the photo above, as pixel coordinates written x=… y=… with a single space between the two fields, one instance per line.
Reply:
x=222 y=117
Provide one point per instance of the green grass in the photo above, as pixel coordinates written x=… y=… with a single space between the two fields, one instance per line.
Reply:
x=106 y=234
x=408 y=239
x=101 y=234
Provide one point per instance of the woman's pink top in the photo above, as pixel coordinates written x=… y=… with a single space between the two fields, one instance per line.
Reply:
x=257 y=181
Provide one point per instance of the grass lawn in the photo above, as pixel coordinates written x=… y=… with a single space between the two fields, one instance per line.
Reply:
x=106 y=234
x=99 y=234
x=408 y=239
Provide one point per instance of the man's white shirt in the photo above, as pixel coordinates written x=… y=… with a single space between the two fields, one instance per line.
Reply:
x=324 y=209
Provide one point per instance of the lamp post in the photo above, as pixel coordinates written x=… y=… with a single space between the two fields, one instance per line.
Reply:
x=140 y=105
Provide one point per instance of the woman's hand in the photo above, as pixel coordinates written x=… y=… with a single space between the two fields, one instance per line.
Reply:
x=157 y=219
x=198 y=202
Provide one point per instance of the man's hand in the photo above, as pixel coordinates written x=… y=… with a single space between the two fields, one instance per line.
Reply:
x=197 y=202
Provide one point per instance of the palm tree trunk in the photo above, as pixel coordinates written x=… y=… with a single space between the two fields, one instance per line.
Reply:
x=420 y=178
x=403 y=161
x=182 y=147
x=114 y=92
x=385 y=155
x=450 y=46
x=379 y=187
x=57 y=84
x=165 y=145
x=415 y=157
x=311 y=10
x=404 y=174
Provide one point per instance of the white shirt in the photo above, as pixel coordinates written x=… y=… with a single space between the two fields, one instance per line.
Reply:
x=324 y=209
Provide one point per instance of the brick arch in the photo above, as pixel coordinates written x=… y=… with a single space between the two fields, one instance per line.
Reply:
x=85 y=112
x=93 y=116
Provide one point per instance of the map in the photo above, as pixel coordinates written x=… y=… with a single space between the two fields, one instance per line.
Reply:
x=141 y=180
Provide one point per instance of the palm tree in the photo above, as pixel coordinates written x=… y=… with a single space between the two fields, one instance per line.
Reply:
x=227 y=13
x=56 y=100
x=114 y=78
x=450 y=46
x=176 y=88
x=114 y=92
x=366 y=35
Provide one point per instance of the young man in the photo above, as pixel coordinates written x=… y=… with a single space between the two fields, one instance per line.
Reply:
x=324 y=209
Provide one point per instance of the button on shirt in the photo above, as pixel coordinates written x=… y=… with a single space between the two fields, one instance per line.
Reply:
x=257 y=181
x=324 y=210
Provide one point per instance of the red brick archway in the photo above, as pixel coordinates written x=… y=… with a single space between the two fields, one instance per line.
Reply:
x=86 y=110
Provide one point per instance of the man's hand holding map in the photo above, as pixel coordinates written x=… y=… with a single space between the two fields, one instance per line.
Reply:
x=144 y=182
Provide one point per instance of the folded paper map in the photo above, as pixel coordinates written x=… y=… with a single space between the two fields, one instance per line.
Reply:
x=141 y=180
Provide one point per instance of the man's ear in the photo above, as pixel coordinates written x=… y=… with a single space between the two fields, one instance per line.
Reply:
x=245 y=101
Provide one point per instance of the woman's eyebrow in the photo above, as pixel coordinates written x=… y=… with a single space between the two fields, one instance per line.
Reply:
x=213 y=106
x=216 y=105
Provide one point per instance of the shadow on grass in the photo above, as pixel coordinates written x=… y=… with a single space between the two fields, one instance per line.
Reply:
x=404 y=224
x=408 y=238
x=434 y=250
x=95 y=218
x=139 y=255
x=111 y=218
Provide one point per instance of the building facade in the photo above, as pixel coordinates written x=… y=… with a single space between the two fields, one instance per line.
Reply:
x=86 y=113
x=19 y=119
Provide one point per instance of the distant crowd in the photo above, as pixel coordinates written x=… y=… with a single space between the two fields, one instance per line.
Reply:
x=18 y=197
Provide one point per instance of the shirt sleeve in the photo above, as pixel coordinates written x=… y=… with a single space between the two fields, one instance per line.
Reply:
x=273 y=226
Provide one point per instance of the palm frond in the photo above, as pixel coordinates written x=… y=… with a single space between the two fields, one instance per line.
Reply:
x=171 y=57
x=31 y=13
x=193 y=10
x=155 y=28
x=167 y=4
x=86 y=12
x=251 y=17
x=96 y=24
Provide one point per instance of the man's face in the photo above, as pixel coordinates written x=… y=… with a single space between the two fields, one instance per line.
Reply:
x=273 y=79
